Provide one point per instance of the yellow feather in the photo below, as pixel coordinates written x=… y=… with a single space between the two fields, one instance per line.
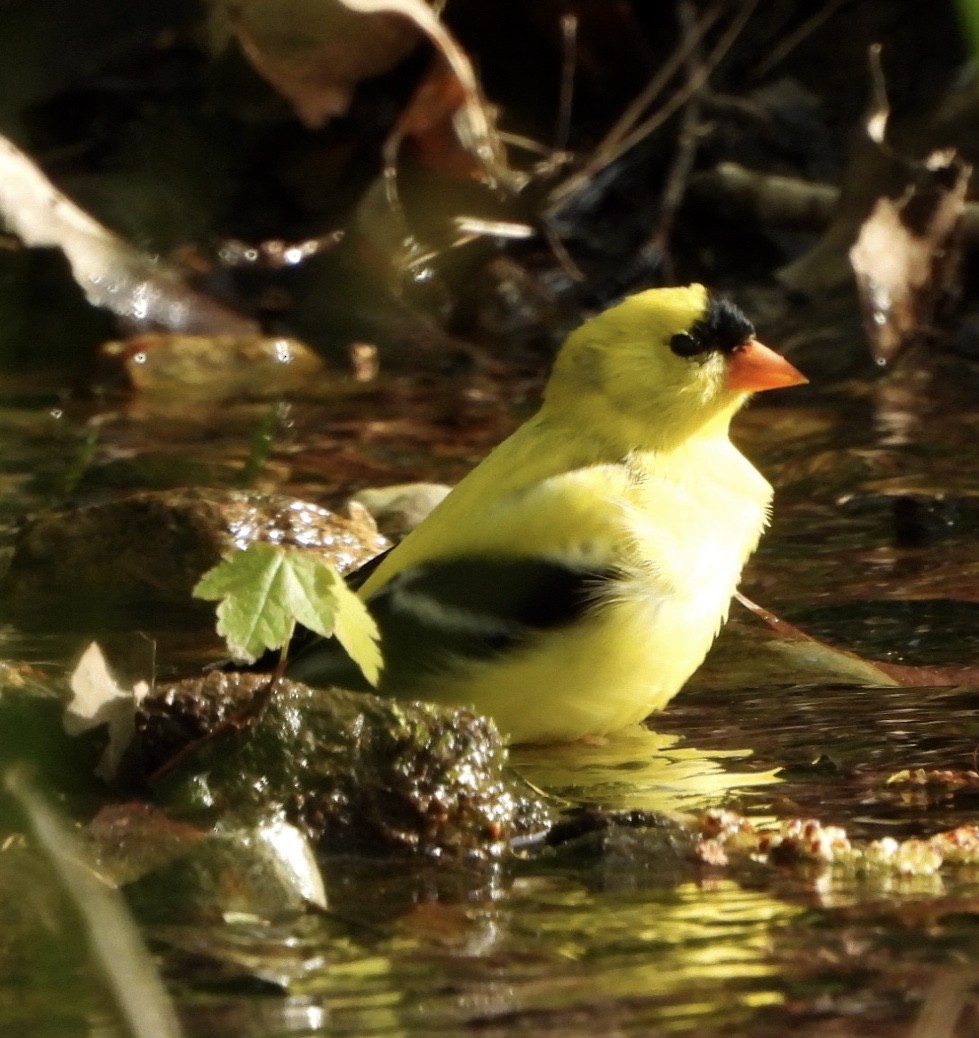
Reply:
x=627 y=466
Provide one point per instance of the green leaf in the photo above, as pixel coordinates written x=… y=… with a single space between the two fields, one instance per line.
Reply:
x=263 y=590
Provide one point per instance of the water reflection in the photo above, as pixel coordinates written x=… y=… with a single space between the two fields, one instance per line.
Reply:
x=639 y=769
x=625 y=934
x=662 y=957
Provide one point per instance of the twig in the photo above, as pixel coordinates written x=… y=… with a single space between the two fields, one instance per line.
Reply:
x=562 y=255
x=626 y=123
x=569 y=60
x=790 y=42
x=704 y=72
x=678 y=175
x=621 y=139
x=880 y=109
x=782 y=627
x=609 y=148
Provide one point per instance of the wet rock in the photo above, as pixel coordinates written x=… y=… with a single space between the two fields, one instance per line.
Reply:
x=356 y=773
x=265 y=870
x=916 y=519
x=622 y=849
x=129 y=840
x=132 y=562
x=400 y=508
x=219 y=367
x=920 y=519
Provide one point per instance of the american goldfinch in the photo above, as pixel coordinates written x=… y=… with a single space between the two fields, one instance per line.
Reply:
x=576 y=578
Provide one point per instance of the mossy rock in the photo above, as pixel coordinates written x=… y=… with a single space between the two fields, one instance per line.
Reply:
x=357 y=773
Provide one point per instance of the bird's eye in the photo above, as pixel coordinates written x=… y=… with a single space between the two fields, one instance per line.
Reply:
x=685 y=345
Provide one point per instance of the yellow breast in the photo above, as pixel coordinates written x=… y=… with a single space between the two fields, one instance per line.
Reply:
x=681 y=543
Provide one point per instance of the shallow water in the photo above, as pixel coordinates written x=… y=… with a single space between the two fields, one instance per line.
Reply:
x=618 y=931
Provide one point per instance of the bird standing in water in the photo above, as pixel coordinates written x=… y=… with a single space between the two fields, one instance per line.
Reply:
x=576 y=578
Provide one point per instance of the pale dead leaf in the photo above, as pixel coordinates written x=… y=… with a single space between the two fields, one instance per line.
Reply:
x=906 y=255
x=313 y=52
x=112 y=273
x=895 y=227
x=98 y=699
x=474 y=122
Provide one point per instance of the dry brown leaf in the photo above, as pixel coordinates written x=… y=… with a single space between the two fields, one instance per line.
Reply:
x=906 y=256
x=896 y=228
x=474 y=122
x=428 y=121
x=315 y=52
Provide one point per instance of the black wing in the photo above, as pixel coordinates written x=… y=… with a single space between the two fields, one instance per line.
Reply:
x=465 y=607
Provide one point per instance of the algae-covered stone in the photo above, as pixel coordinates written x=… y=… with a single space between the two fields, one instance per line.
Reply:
x=132 y=562
x=265 y=870
x=356 y=772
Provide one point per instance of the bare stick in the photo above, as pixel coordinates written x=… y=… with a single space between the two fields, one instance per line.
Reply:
x=789 y=43
x=703 y=74
x=626 y=122
x=569 y=61
x=679 y=173
x=624 y=134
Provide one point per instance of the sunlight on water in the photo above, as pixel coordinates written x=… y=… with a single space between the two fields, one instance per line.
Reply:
x=638 y=769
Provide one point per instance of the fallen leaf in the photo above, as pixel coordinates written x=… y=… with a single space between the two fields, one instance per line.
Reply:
x=474 y=121
x=111 y=272
x=314 y=52
x=906 y=256
x=97 y=700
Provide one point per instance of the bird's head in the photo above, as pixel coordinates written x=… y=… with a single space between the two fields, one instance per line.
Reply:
x=662 y=365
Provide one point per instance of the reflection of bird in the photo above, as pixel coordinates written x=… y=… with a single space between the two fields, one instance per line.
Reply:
x=574 y=580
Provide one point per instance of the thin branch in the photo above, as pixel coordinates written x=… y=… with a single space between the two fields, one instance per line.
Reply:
x=608 y=149
x=789 y=43
x=678 y=176
x=626 y=123
x=624 y=135
x=695 y=83
x=569 y=60
x=562 y=255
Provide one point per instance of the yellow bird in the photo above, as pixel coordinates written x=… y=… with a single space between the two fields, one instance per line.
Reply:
x=576 y=578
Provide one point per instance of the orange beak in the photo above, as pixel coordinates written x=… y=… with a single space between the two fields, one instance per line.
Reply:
x=753 y=367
